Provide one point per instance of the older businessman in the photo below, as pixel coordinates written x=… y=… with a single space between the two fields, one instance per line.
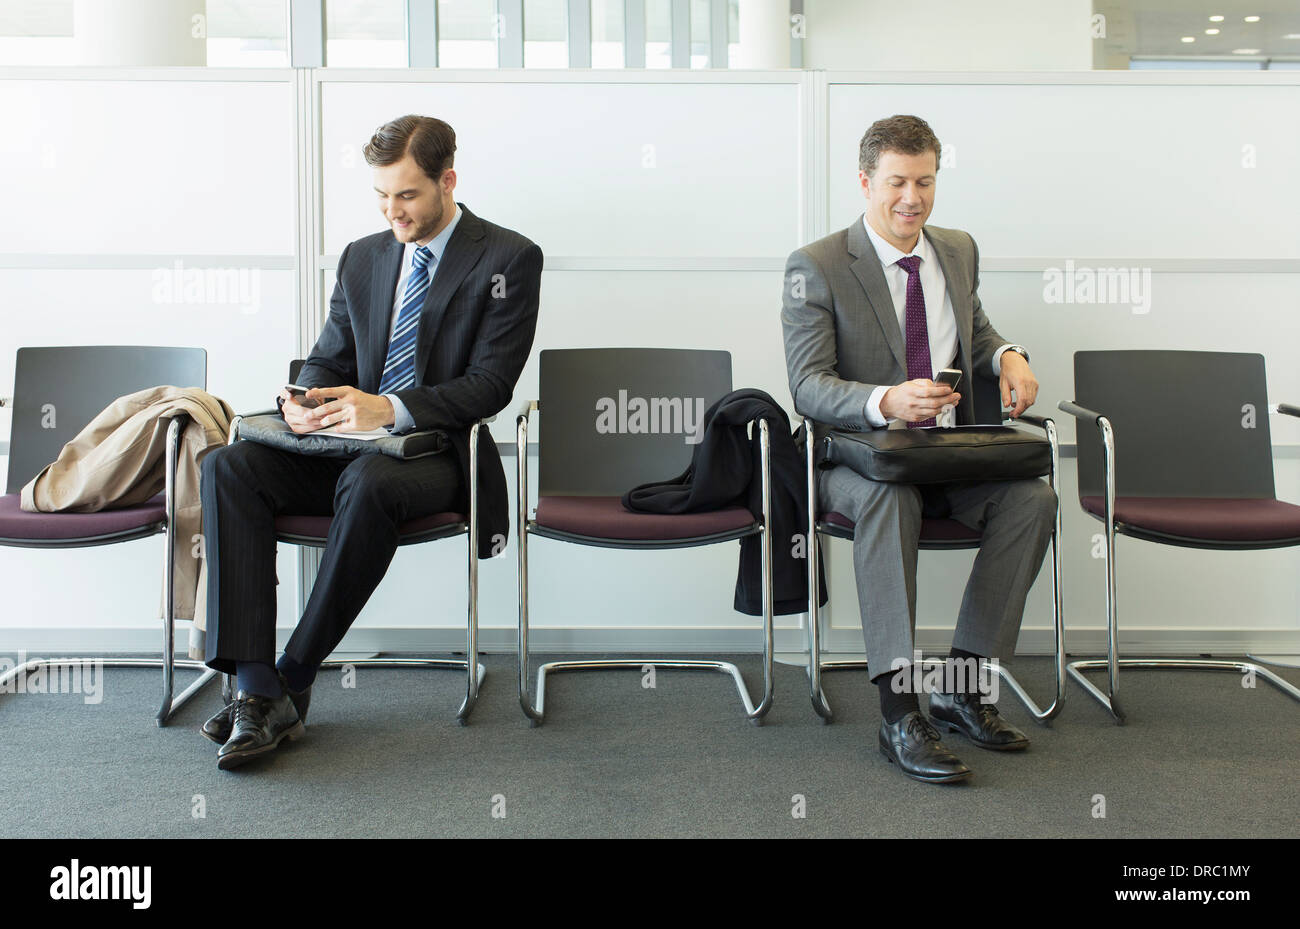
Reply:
x=870 y=315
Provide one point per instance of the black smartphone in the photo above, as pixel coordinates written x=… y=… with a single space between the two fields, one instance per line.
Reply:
x=301 y=394
x=949 y=376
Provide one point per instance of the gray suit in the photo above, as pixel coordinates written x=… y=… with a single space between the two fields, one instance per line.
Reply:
x=842 y=340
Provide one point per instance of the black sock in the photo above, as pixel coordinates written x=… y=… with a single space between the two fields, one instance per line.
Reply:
x=257 y=677
x=896 y=696
x=298 y=676
x=964 y=681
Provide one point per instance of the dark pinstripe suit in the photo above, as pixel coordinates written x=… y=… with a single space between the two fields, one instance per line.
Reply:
x=475 y=333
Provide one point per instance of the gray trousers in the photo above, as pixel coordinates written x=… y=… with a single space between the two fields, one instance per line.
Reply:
x=1016 y=519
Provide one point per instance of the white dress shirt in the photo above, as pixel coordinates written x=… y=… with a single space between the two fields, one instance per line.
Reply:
x=402 y=420
x=940 y=318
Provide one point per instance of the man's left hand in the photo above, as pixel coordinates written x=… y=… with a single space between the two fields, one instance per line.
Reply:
x=1017 y=376
x=352 y=410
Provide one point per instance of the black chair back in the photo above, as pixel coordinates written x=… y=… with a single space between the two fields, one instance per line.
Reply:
x=614 y=418
x=1187 y=424
x=59 y=390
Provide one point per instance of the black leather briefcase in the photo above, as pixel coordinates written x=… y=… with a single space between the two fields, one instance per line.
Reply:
x=936 y=456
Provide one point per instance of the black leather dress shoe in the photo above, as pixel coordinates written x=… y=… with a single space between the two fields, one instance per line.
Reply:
x=913 y=744
x=260 y=724
x=977 y=721
x=217 y=728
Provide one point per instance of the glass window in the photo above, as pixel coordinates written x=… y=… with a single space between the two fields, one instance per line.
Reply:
x=546 y=34
x=700 y=33
x=234 y=34
x=467 y=33
x=658 y=33
x=365 y=33
x=607 y=33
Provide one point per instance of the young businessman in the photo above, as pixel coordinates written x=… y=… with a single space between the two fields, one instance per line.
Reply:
x=870 y=315
x=430 y=324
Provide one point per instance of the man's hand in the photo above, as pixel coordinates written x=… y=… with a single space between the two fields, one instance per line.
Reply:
x=296 y=415
x=351 y=410
x=921 y=399
x=1017 y=376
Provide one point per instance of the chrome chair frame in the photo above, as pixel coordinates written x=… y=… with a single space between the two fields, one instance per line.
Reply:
x=815 y=527
x=473 y=669
x=168 y=662
x=535 y=709
x=1112 y=662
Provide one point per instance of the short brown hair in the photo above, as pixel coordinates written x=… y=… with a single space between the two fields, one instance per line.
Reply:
x=907 y=135
x=430 y=141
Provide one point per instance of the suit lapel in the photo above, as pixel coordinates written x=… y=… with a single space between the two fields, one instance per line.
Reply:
x=387 y=266
x=958 y=289
x=463 y=251
x=868 y=272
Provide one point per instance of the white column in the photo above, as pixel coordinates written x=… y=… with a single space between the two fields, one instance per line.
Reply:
x=764 y=34
x=140 y=33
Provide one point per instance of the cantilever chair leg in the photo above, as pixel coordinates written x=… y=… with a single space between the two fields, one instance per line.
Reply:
x=473 y=669
x=1112 y=662
x=816 y=665
x=535 y=710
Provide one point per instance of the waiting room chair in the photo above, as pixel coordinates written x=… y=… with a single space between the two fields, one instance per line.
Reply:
x=57 y=392
x=313 y=531
x=936 y=535
x=1195 y=469
x=584 y=469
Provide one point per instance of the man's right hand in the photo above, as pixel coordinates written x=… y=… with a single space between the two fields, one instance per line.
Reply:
x=296 y=415
x=915 y=401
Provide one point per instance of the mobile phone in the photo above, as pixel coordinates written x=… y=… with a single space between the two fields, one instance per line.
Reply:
x=301 y=394
x=949 y=376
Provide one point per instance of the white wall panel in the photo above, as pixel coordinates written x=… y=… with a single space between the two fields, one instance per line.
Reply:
x=1093 y=171
x=591 y=169
x=152 y=167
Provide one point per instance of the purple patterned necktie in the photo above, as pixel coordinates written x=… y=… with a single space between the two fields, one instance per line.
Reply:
x=918 y=334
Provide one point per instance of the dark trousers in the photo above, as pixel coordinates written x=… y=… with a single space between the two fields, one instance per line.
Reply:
x=246 y=485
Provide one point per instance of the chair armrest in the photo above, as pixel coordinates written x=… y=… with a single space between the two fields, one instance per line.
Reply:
x=1030 y=419
x=526 y=409
x=1288 y=409
x=1078 y=412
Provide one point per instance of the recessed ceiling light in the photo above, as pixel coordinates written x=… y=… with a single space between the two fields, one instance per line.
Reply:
x=1252 y=19
x=1245 y=51
x=1188 y=38
x=1211 y=31
x=1216 y=19
x=1292 y=35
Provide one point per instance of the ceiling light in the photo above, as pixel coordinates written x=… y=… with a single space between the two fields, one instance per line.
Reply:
x=1252 y=19
x=1245 y=51
x=1211 y=31
x=1188 y=38
x=1292 y=35
x=1216 y=19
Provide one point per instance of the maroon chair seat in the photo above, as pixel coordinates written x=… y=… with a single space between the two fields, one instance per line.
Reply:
x=33 y=529
x=605 y=518
x=932 y=530
x=1207 y=519
x=318 y=527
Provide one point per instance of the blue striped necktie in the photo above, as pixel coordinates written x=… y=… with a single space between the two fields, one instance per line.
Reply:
x=399 y=368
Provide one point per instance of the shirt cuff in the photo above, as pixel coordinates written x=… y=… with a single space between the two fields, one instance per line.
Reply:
x=402 y=421
x=997 y=359
x=873 y=407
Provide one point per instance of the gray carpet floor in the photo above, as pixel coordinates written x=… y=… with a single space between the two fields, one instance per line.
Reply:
x=1200 y=756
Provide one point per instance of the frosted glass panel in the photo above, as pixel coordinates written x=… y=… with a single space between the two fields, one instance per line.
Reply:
x=673 y=170
x=147 y=167
x=1161 y=171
